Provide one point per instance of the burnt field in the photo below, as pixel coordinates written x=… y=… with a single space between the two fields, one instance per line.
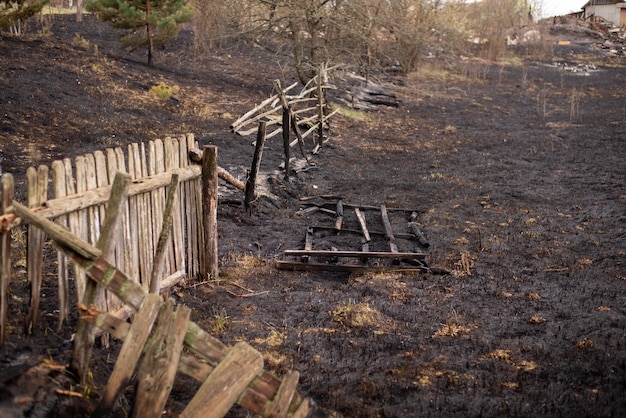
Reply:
x=517 y=174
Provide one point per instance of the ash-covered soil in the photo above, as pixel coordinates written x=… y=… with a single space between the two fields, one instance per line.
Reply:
x=518 y=177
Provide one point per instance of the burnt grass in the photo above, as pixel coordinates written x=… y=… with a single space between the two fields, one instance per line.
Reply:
x=518 y=177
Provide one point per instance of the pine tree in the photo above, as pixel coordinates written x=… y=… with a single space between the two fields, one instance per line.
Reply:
x=147 y=22
x=14 y=10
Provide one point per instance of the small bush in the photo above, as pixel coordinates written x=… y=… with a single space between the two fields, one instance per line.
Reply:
x=163 y=92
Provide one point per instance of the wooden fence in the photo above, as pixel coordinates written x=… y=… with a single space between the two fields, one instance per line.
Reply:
x=229 y=375
x=79 y=192
x=77 y=200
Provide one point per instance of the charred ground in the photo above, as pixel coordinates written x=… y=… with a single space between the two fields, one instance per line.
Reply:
x=517 y=173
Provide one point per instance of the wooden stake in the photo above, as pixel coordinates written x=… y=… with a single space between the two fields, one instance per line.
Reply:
x=6 y=197
x=37 y=185
x=208 y=259
x=166 y=227
x=256 y=163
x=286 y=145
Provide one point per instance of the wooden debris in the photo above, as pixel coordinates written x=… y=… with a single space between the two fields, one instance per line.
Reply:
x=222 y=388
x=129 y=355
x=155 y=378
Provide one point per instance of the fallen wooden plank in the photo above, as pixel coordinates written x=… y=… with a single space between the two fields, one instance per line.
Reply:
x=357 y=254
x=155 y=378
x=255 y=398
x=388 y=231
x=280 y=405
x=361 y=217
x=347 y=268
x=129 y=354
x=223 y=387
x=355 y=231
x=339 y=210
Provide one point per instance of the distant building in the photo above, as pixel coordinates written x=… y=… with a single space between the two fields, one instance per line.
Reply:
x=611 y=10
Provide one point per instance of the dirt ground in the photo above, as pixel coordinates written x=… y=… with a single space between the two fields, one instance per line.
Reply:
x=517 y=174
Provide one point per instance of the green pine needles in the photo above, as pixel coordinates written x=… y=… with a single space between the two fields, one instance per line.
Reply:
x=147 y=22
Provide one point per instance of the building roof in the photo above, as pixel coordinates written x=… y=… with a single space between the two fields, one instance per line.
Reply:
x=603 y=2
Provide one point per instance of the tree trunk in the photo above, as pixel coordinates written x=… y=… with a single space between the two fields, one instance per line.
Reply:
x=149 y=33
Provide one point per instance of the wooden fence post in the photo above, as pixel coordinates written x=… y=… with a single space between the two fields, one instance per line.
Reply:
x=286 y=144
x=164 y=237
x=208 y=258
x=320 y=98
x=256 y=162
x=6 y=197
x=84 y=339
x=37 y=189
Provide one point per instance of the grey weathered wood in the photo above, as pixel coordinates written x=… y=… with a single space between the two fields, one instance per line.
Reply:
x=37 y=191
x=225 y=384
x=308 y=244
x=347 y=268
x=286 y=145
x=155 y=378
x=209 y=258
x=99 y=195
x=6 y=197
x=134 y=341
x=59 y=188
x=339 y=211
x=256 y=163
x=340 y=253
x=164 y=237
x=81 y=224
x=84 y=337
x=177 y=243
x=361 y=217
x=280 y=405
x=388 y=231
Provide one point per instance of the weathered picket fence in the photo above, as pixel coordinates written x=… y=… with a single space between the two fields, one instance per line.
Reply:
x=80 y=190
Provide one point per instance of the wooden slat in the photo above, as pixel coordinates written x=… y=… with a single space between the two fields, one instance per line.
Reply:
x=118 y=257
x=141 y=231
x=280 y=405
x=388 y=231
x=37 y=190
x=339 y=211
x=361 y=217
x=127 y=359
x=164 y=239
x=356 y=254
x=209 y=257
x=127 y=242
x=82 y=225
x=155 y=378
x=225 y=384
x=156 y=196
x=6 y=197
x=172 y=161
x=347 y=268
x=192 y=229
x=59 y=185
